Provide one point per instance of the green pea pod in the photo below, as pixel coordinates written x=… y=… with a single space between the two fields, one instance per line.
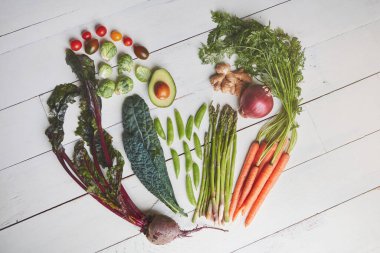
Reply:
x=188 y=159
x=159 y=129
x=180 y=126
x=197 y=145
x=189 y=127
x=170 y=131
x=196 y=175
x=199 y=115
x=189 y=190
x=176 y=164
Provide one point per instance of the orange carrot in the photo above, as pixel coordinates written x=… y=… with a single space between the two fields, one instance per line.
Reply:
x=267 y=157
x=243 y=174
x=247 y=188
x=267 y=187
x=263 y=146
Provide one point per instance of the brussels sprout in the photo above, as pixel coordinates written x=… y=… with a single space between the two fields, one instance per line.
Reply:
x=108 y=50
x=142 y=73
x=106 y=88
x=125 y=63
x=124 y=85
x=105 y=70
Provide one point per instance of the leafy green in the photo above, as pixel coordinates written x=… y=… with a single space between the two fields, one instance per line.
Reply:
x=124 y=63
x=108 y=50
x=144 y=151
x=124 y=85
x=96 y=165
x=272 y=56
x=105 y=70
x=58 y=101
x=142 y=73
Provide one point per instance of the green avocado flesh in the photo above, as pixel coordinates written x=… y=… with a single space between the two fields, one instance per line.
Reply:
x=162 y=75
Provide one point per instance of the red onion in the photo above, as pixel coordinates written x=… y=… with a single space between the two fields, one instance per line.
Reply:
x=256 y=101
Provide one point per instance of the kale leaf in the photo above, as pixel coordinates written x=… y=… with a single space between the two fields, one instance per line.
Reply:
x=145 y=153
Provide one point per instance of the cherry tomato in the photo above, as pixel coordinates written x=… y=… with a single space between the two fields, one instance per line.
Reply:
x=75 y=45
x=141 y=52
x=116 y=35
x=101 y=30
x=86 y=35
x=127 y=41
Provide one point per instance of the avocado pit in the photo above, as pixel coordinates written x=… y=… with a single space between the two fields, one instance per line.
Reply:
x=161 y=90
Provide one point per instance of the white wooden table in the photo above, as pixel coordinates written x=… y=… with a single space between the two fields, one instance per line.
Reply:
x=328 y=200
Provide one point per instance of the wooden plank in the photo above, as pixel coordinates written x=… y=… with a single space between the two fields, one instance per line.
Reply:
x=301 y=192
x=21 y=132
x=351 y=227
x=355 y=108
x=154 y=32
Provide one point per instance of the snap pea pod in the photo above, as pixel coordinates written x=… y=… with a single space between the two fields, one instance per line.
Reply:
x=188 y=158
x=199 y=115
x=159 y=129
x=196 y=175
x=189 y=127
x=189 y=190
x=176 y=163
x=179 y=122
x=197 y=145
x=170 y=131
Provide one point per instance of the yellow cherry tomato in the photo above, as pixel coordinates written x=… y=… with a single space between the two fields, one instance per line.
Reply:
x=116 y=35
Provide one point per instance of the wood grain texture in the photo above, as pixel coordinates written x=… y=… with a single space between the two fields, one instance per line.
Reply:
x=351 y=227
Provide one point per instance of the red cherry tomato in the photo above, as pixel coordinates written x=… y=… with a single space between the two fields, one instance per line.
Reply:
x=101 y=30
x=86 y=35
x=75 y=45
x=127 y=41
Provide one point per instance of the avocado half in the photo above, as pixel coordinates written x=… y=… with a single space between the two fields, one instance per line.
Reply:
x=162 y=75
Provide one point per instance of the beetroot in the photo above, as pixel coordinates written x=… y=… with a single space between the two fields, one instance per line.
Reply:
x=161 y=230
x=256 y=101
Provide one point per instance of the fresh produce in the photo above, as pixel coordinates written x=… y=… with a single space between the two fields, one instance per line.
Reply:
x=256 y=101
x=160 y=131
x=91 y=46
x=189 y=190
x=170 y=131
x=141 y=52
x=101 y=30
x=105 y=70
x=179 y=122
x=196 y=174
x=75 y=45
x=127 y=41
x=176 y=164
x=162 y=89
x=142 y=73
x=108 y=50
x=197 y=145
x=124 y=85
x=106 y=88
x=145 y=153
x=189 y=127
x=218 y=165
x=276 y=59
x=116 y=35
x=200 y=114
x=124 y=64
x=86 y=35
x=97 y=166
x=228 y=81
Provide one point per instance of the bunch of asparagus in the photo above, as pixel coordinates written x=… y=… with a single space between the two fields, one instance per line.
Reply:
x=218 y=165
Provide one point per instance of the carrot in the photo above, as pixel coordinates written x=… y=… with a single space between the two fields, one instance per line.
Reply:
x=267 y=187
x=263 y=146
x=247 y=188
x=243 y=174
x=267 y=157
